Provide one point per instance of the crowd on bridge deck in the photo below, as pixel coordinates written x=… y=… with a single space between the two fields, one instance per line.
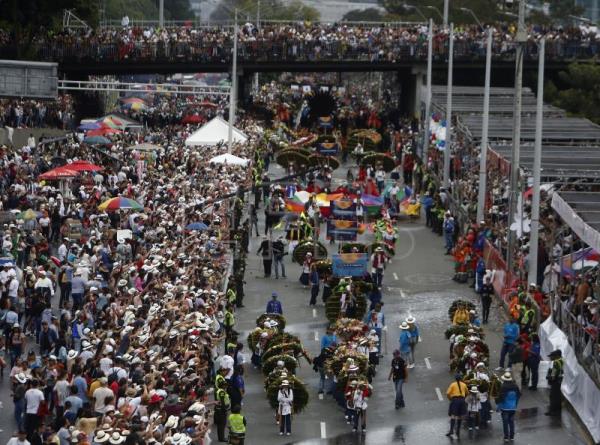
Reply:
x=302 y=42
x=112 y=319
x=21 y=113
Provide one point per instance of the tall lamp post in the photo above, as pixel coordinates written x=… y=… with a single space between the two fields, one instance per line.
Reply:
x=520 y=39
x=446 y=11
x=427 y=119
x=233 y=93
x=448 y=141
x=534 y=238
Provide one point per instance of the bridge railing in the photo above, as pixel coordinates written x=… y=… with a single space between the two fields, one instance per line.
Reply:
x=301 y=51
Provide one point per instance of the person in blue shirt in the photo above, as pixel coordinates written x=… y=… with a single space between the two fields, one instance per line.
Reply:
x=511 y=333
x=413 y=332
x=479 y=274
x=405 y=342
x=448 y=226
x=427 y=203
x=507 y=404
x=274 y=306
x=328 y=339
x=533 y=361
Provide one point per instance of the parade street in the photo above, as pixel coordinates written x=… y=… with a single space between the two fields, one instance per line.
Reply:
x=417 y=282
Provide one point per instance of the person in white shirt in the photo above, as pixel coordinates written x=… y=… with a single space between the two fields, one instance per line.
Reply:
x=13 y=290
x=63 y=250
x=106 y=363
x=33 y=398
x=45 y=284
x=19 y=439
x=285 y=397
x=102 y=396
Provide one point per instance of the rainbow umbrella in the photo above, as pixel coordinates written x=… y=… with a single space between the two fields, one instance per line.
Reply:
x=120 y=203
x=135 y=106
x=112 y=122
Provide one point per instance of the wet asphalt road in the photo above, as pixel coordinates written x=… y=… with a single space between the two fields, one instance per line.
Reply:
x=417 y=282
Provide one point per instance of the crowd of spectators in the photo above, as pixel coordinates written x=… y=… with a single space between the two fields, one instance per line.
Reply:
x=302 y=42
x=113 y=320
x=25 y=113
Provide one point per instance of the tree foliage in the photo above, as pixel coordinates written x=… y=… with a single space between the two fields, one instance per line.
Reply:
x=148 y=9
x=269 y=10
x=363 y=15
x=487 y=11
x=581 y=97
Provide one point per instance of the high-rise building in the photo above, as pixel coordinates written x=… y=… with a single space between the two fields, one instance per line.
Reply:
x=592 y=9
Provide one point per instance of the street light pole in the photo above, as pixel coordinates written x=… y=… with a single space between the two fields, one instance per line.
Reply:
x=534 y=238
x=161 y=13
x=256 y=75
x=427 y=118
x=446 y=9
x=437 y=11
x=484 y=130
x=233 y=94
x=520 y=39
x=470 y=11
x=448 y=142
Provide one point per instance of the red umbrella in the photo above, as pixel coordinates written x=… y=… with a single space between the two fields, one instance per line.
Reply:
x=192 y=119
x=59 y=173
x=83 y=166
x=55 y=260
x=208 y=104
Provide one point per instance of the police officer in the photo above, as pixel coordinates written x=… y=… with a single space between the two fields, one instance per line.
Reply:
x=237 y=426
x=555 y=377
x=223 y=405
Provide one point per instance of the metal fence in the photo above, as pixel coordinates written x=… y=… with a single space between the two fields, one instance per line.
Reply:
x=584 y=343
x=205 y=51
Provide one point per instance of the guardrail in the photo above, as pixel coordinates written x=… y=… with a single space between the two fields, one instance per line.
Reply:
x=584 y=342
x=205 y=51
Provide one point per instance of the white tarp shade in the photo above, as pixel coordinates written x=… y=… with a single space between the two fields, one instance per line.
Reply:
x=577 y=386
x=229 y=159
x=588 y=234
x=215 y=132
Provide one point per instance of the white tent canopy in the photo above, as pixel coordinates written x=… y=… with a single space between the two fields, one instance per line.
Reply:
x=214 y=132
x=229 y=159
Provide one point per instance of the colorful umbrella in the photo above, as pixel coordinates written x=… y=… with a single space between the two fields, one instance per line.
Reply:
x=192 y=119
x=58 y=173
x=83 y=166
x=120 y=203
x=135 y=106
x=103 y=132
x=97 y=140
x=196 y=226
x=132 y=100
x=113 y=122
x=89 y=126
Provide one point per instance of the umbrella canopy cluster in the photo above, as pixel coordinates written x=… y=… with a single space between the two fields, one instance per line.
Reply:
x=118 y=203
x=70 y=170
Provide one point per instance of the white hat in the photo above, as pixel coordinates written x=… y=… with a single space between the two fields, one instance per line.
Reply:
x=285 y=383
x=410 y=320
x=21 y=377
x=172 y=422
x=506 y=377
x=474 y=389
x=404 y=326
x=101 y=436
x=116 y=438
x=72 y=354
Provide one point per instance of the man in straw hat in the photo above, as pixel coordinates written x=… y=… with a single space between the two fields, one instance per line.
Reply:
x=507 y=402
x=285 y=397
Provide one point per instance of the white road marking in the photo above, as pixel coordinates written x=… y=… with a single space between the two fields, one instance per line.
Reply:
x=395 y=276
x=402 y=294
x=323 y=430
x=427 y=363
x=420 y=339
x=316 y=335
x=314 y=313
x=390 y=261
x=439 y=394
x=320 y=396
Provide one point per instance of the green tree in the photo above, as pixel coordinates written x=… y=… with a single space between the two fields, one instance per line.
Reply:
x=269 y=10
x=363 y=15
x=581 y=97
x=148 y=9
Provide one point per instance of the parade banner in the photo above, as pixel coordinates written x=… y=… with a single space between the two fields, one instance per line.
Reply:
x=325 y=122
x=372 y=203
x=350 y=264
x=342 y=230
x=328 y=148
x=344 y=209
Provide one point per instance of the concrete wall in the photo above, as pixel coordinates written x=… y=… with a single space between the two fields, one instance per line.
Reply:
x=20 y=135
